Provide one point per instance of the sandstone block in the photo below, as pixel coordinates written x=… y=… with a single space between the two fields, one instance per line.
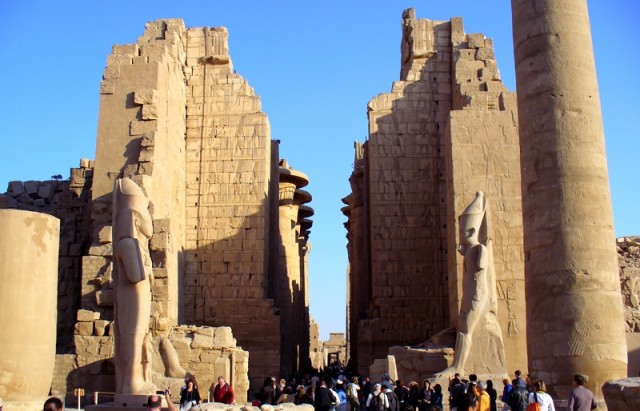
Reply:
x=107 y=87
x=31 y=187
x=101 y=249
x=202 y=341
x=7 y=201
x=161 y=225
x=16 y=188
x=138 y=128
x=162 y=324
x=45 y=190
x=104 y=235
x=100 y=327
x=159 y=241
x=150 y=111
x=145 y=156
x=622 y=395
x=208 y=331
x=87 y=316
x=104 y=298
x=209 y=357
x=181 y=343
x=475 y=40
x=84 y=328
x=224 y=337
x=160 y=292
x=145 y=96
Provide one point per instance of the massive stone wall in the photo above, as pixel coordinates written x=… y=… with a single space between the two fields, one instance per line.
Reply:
x=629 y=262
x=176 y=119
x=483 y=154
x=447 y=129
x=228 y=203
x=68 y=200
x=141 y=129
x=404 y=195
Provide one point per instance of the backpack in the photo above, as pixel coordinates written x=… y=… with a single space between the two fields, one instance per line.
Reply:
x=401 y=392
x=519 y=398
x=350 y=390
x=536 y=405
x=332 y=397
x=376 y=403
x=393 y=400
x=457 y=392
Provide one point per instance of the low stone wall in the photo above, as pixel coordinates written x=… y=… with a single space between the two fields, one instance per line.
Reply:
x=69 y=201
x=204 y=353
x=629 y=262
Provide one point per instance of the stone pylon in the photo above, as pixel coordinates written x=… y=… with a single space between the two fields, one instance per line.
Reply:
x=574 y=311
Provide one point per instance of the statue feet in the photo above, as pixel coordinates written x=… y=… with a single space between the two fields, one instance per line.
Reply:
x=447 y=374
x=139 y=387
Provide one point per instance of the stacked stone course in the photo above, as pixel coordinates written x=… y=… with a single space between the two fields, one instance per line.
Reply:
x=629 y=262
x=446 y=130
x=69 y=201
x=177 y=120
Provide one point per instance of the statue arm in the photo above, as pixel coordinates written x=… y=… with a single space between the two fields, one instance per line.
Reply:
x=144 y=223
x=483 y=257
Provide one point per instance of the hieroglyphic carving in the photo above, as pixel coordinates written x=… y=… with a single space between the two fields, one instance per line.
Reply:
x=507 y=291
x=582 y=330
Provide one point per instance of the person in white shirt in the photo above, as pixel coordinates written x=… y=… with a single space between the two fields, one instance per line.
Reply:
x=541 y=397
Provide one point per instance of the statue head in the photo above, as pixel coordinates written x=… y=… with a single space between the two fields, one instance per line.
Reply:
x=130 y=195
x=474 y=223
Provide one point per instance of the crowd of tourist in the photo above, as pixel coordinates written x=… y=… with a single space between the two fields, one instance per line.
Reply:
x=337 y=390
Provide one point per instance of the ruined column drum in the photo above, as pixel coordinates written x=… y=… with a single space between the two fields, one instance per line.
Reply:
x=28 y=298
x=574 y=311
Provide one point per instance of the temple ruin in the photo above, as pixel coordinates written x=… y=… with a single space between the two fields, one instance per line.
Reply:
x=447 y=129
x=231 y=219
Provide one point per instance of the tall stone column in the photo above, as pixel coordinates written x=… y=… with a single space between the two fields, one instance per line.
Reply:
x=289 y=294
x=28 y=298
x=574 y=310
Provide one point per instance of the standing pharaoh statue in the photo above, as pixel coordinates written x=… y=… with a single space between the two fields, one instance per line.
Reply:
x=132 y=229
x=477 y=330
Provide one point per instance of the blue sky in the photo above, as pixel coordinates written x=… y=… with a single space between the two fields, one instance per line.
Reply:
x=315 y=64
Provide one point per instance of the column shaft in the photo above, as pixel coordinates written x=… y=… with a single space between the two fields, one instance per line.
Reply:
x=574 y=310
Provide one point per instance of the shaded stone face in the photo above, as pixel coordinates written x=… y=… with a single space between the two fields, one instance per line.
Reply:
x=446 y=129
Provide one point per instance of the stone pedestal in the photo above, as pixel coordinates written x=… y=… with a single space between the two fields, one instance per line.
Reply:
x=574 y=311
x=128 y=402
x=622 y=395
x=28 y=296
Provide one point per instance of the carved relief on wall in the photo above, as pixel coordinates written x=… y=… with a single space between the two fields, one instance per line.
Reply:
x=507 y=291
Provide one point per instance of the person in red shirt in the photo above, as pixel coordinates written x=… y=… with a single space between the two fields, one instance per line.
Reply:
x=223 y=392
